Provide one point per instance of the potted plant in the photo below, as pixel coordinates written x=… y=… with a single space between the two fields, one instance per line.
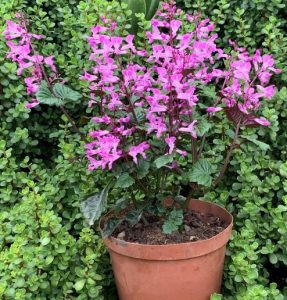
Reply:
x=158 y=107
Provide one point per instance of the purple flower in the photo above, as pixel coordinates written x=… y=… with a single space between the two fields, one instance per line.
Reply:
x=171 y=143
x=262 y=121
x=32 y=104
x=190 y=129
x=134 y=151
x=213 y=109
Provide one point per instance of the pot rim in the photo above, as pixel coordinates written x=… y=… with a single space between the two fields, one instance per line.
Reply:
x=175 y=251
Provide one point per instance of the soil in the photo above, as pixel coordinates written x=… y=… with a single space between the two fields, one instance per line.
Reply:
x=196 y=226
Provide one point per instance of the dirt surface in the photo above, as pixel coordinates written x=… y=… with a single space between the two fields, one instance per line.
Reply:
x=196 y=226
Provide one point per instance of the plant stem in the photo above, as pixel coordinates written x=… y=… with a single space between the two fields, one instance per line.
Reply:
x=194 y=151
x=201 y=145
x=71 y=120
x=228 y=156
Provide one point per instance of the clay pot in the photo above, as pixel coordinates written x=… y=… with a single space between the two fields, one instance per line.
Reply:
x=186 y=271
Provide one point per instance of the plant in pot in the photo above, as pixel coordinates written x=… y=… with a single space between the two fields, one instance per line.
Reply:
x=158 y=107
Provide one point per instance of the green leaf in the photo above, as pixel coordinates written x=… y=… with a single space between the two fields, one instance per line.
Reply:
x=79 y=284
x=202 y=127
x=93 y=207
x=49 y=259
x=143 y=168
x=209 y=92
x=136 y=6
x=273 y=258
x=216 y=297
x=124 y=181
x=110 y=226
x=45 y=241
x=174 y=220
x=140 y=115
x=64 y=92
x=261 y=145
x=45 y=96
x=134 y=216
x=121 y=204
x=151 y=7
x=283 y=169
x=180 y=199
x=163 y=160
x=200 y=173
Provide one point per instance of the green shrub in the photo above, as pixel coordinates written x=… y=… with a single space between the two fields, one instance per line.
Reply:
x=255 y=193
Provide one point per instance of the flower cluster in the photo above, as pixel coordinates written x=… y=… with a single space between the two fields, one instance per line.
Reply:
x=22 y=52
x=153 y=93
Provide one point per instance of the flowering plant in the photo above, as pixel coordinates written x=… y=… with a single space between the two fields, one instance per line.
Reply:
x=155 y=106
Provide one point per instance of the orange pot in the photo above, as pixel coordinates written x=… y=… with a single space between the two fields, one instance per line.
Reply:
x=186 y=271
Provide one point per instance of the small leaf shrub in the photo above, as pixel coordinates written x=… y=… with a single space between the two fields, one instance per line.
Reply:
x=42 y=164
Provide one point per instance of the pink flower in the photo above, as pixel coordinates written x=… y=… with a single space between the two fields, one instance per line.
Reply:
x=139 y=149
x=242 y=69
x=213 y=109
x=32 y=104
x=190 y=129
x=267 y=92
x=262 y=121
x=104 y=119
x=13 y=30
x=103 y=152
x=181 y=152
x=175 y=25
x=171 y=143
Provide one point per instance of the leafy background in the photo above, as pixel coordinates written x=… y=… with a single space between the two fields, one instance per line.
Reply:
x=46 y=251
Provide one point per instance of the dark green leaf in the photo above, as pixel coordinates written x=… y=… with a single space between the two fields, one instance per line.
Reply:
x=261 y=145
x=173 y=221
x=110 y=226
x=201 y=173
x=66 y=93
x=121 y=204
x=134 y=216
x=93 y=207
x=202 y=127
x=140 y=115
x=163 y=160
x=45 y=96
x=124 y=181
x=143 y=168
x=151 y=7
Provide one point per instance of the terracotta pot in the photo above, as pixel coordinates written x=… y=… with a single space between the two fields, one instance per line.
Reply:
x=186 y=271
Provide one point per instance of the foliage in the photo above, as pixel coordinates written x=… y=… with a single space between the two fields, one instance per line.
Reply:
x=173 y=221
x=46 y=253
x=146 y=7
x=255 y=192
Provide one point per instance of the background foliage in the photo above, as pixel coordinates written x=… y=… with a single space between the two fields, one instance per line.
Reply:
x=46 y=252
